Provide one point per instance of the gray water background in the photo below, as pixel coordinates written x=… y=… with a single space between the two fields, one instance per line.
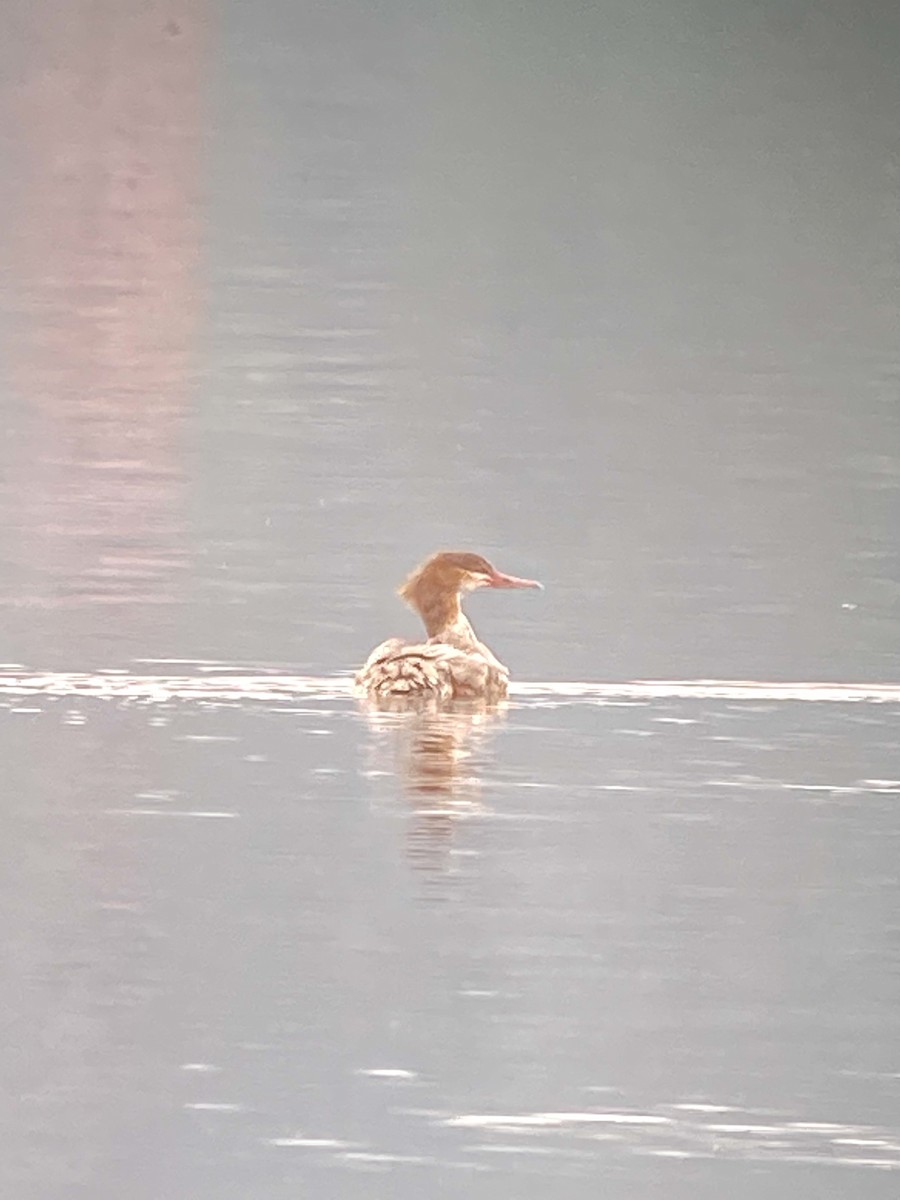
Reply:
x=292 y=295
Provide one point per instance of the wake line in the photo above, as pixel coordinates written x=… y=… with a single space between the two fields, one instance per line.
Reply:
x=717 y=689
x=227 y=686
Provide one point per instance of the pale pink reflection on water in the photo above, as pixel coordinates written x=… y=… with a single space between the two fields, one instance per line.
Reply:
x=104 y=286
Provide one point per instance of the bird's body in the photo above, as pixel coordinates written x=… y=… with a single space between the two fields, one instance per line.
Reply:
x=452 y=664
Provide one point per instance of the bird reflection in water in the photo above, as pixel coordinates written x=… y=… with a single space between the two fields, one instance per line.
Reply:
x=438 y=755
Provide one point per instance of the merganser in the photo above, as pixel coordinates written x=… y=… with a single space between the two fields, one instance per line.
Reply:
x=452 y=664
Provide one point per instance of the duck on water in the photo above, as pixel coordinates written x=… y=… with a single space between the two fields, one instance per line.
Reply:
x=452 y=664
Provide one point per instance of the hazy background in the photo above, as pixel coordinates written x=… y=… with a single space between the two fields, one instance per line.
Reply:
x=295 y=294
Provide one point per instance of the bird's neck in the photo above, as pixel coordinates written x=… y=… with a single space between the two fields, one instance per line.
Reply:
x=443 y=617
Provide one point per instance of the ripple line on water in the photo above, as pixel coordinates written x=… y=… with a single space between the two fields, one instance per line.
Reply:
x=237 y=686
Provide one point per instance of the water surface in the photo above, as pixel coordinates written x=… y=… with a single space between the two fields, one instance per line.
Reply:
x=293 y=295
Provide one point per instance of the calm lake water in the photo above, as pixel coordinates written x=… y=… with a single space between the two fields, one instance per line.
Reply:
x=292 y=295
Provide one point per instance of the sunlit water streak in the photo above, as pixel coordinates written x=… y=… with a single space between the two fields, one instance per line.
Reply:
x=690 y=1130
x=680 y=1130
x=224 y=684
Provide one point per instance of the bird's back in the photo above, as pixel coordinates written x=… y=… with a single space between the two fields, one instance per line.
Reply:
x=433 y=670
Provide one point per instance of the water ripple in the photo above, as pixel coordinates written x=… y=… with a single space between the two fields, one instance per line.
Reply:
x=230 y=685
